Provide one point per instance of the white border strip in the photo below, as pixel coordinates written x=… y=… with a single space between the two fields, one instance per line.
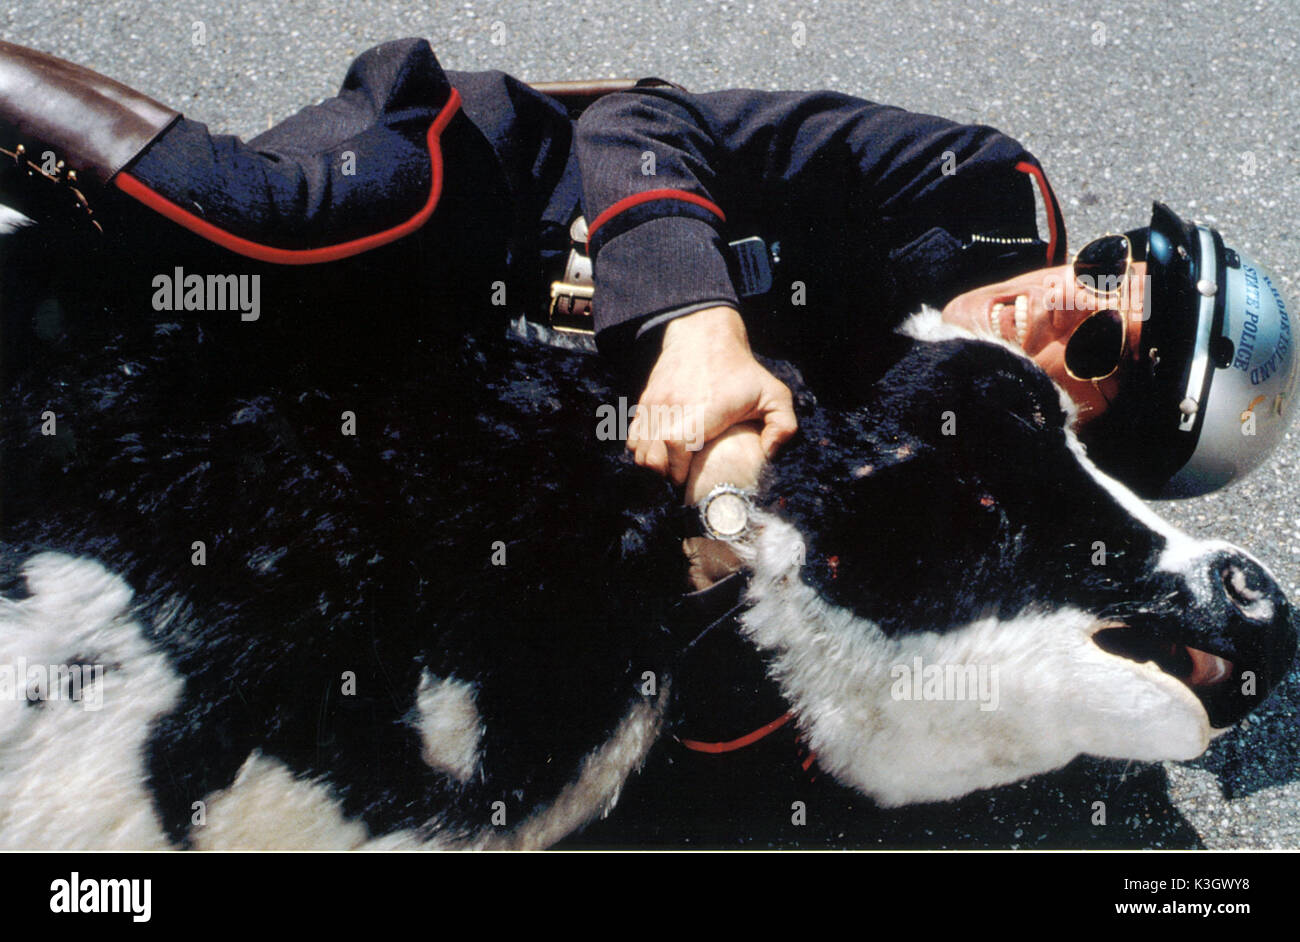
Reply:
x=1208 y=270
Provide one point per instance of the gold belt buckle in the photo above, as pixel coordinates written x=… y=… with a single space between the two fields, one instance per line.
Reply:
x=571 y=307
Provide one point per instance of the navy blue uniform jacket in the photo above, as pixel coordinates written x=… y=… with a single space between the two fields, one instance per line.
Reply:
x=876 y=210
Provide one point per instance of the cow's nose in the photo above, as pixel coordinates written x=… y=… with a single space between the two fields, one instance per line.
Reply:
x=1254 y=621
x=1245 y=619
x=1248 y=588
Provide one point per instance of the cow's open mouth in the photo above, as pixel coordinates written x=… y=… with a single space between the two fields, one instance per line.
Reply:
x=1208 y=675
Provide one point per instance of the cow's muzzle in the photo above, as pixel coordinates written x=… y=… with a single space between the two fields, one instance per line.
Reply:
x=1223 y=626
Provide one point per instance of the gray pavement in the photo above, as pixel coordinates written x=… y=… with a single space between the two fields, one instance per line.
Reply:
x=1193 y=103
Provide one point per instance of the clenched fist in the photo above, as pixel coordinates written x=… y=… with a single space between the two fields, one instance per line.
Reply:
x=705 y=381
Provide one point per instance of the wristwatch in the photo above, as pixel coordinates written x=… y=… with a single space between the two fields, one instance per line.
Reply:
x=724 y=514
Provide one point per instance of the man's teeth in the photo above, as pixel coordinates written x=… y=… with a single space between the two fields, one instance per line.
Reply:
x=1022 y=319
x=1020 y=311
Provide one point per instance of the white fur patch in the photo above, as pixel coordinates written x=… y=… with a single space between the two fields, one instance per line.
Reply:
x=928 y=325
x=599 y=783
x=11 y=220
x=267 y=807
x=72 y=777
x=1059 y=694
x=449 y=725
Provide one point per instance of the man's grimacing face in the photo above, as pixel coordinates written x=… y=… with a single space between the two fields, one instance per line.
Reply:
x=1038 y=311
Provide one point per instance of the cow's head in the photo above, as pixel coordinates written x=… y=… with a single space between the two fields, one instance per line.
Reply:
x=954 y=597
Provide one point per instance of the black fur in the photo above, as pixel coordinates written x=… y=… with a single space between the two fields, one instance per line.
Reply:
x=328 y=553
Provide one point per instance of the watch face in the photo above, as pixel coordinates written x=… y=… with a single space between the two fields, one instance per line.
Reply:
x=726 y=515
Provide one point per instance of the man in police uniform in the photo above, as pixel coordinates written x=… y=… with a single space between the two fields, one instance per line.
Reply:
x=806 y=224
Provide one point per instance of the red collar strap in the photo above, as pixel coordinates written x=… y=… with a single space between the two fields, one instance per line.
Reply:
x=805 y=756
x=731 y=745
x=716 y=657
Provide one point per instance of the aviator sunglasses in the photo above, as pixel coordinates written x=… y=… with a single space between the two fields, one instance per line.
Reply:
x=1096 y=346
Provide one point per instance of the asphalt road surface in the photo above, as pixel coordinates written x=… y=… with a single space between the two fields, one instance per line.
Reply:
x=1192 y=103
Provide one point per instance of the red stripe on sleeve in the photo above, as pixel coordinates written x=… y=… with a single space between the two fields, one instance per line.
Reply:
x=637 y=199
x=329 y=253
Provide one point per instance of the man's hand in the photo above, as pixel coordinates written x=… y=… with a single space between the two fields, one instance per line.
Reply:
x=705 y=381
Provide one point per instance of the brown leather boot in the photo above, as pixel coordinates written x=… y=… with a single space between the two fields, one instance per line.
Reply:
x=67 y=131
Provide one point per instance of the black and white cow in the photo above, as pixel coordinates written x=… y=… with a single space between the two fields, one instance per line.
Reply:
x=350 y=580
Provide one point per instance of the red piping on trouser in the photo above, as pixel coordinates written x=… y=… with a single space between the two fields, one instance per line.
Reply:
x=637 y=199
x=1055 y=224
x=328 y=253
x=732 y=745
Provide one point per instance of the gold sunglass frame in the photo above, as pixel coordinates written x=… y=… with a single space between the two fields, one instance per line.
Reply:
x=1120 y=294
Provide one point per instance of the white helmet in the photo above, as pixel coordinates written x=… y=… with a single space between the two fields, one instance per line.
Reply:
x=1213 y=390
